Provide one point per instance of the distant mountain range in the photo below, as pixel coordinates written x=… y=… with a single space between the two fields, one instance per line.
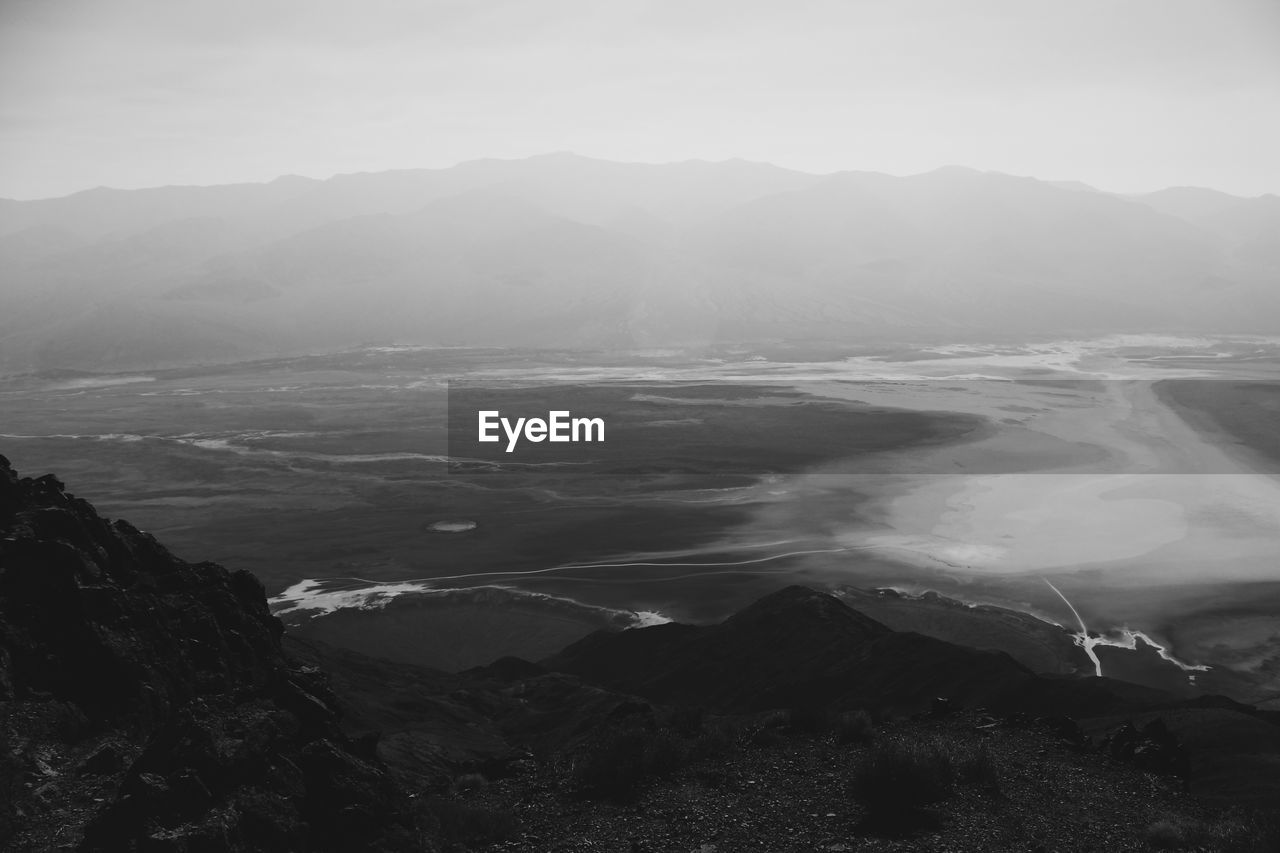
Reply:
x=567 y=251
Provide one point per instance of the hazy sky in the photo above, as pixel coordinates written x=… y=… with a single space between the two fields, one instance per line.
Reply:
x=1129 y=95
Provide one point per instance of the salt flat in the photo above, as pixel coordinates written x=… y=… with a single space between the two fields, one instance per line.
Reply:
x=1145 y=495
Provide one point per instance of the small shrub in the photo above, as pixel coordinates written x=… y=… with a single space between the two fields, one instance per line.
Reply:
x=895 y=780
x=973 y=765
x=718 y=740
x=1175 y=832
x=1246 y=831
x=613 y=765
x=664 y=754
x=1165 y=835
x=470 y=782
x=466 y=823
x=854 y=727
x=1237 y=832
x=616 y=764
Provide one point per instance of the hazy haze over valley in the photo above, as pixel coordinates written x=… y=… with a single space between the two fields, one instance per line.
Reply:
x=563 y=251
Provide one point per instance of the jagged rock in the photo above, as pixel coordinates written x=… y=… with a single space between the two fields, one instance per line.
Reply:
x=181 y=665
x=1153 y=747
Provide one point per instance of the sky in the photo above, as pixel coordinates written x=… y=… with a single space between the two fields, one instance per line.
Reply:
x=1126 y=95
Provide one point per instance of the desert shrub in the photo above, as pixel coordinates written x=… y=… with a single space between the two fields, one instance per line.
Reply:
x=854 y=727
x=664 y=754
x=1246 y=832
x=895 y=780
x=718 y=739
x=470 y=782
x=618 y=761
x=1232 y=833
x=471 y=824
x=1237 y=832
x=1176 y=833
x=613 y=765
x=972 y=765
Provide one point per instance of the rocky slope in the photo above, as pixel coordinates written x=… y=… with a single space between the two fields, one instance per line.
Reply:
x=145 y=702
x=783 y=789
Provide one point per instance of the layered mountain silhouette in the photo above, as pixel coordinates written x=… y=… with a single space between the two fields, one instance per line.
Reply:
x=802 y=648
x=567 y=251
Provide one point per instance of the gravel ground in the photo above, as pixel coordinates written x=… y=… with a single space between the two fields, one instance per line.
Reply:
x=793 y=791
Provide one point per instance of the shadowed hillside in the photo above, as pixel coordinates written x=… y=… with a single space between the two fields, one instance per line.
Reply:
x=145 y=702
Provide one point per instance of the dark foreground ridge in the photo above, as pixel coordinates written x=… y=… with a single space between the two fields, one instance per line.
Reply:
x=147 y=703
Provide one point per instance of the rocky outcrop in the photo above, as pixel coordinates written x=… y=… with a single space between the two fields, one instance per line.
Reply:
x=145 y=702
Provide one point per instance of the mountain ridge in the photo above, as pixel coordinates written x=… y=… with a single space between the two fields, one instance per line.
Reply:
x=800 y=647
x=566 y=156
x=718 y=253
x=151 y=703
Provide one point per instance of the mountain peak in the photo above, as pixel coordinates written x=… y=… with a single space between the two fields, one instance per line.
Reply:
x=801 y=601
x=294 y=180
